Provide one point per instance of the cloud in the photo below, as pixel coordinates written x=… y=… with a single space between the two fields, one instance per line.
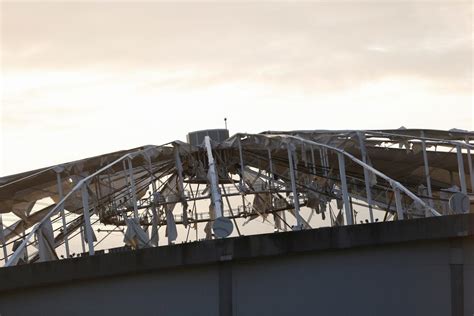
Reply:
x=93 y=77
x=314 y=46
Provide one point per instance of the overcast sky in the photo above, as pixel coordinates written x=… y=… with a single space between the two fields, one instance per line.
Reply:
x=86 y=78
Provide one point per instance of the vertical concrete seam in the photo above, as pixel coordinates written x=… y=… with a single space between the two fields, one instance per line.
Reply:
x=457 y=277
x=225 y=289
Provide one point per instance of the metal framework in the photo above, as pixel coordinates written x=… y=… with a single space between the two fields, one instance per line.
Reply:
x=249 y=184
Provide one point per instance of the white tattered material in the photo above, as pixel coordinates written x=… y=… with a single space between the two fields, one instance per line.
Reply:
x=135 y=236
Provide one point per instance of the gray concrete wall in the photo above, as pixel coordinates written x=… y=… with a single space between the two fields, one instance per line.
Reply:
x=402 y=280
x=173 y=292
x=468 y=276
x=361 y=270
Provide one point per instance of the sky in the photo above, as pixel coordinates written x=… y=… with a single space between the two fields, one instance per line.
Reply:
x=85 y=78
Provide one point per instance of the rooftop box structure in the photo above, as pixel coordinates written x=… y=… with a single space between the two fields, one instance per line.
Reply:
x=197 y=138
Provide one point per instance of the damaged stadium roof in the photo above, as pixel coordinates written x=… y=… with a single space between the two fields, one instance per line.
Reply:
x=291 y=180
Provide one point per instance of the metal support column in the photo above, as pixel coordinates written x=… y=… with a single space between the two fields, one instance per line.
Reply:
x=345 y=192
x=462 y=175
x=230 y=210
x=2 y=240
x=87 y=219
x=398 y=203
x=81 y=230
x=242 y=182
x=427 y=171
x=215 y=194
x=368 y=190
x=63 y=216
x=179 y=171
x=469 y=162
x=154 y=235
x=270 y=166
x=182 y=197
x=132 y=186
x=304 y=155
x=324 y=161
x=293 y=187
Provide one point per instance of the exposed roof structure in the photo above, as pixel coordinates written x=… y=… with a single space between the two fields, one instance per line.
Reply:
x=284 y=180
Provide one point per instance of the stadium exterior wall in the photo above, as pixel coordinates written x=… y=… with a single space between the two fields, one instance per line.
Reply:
x=416 y=267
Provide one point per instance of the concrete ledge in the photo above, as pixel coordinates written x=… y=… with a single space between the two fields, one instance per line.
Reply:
x=242 y=248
